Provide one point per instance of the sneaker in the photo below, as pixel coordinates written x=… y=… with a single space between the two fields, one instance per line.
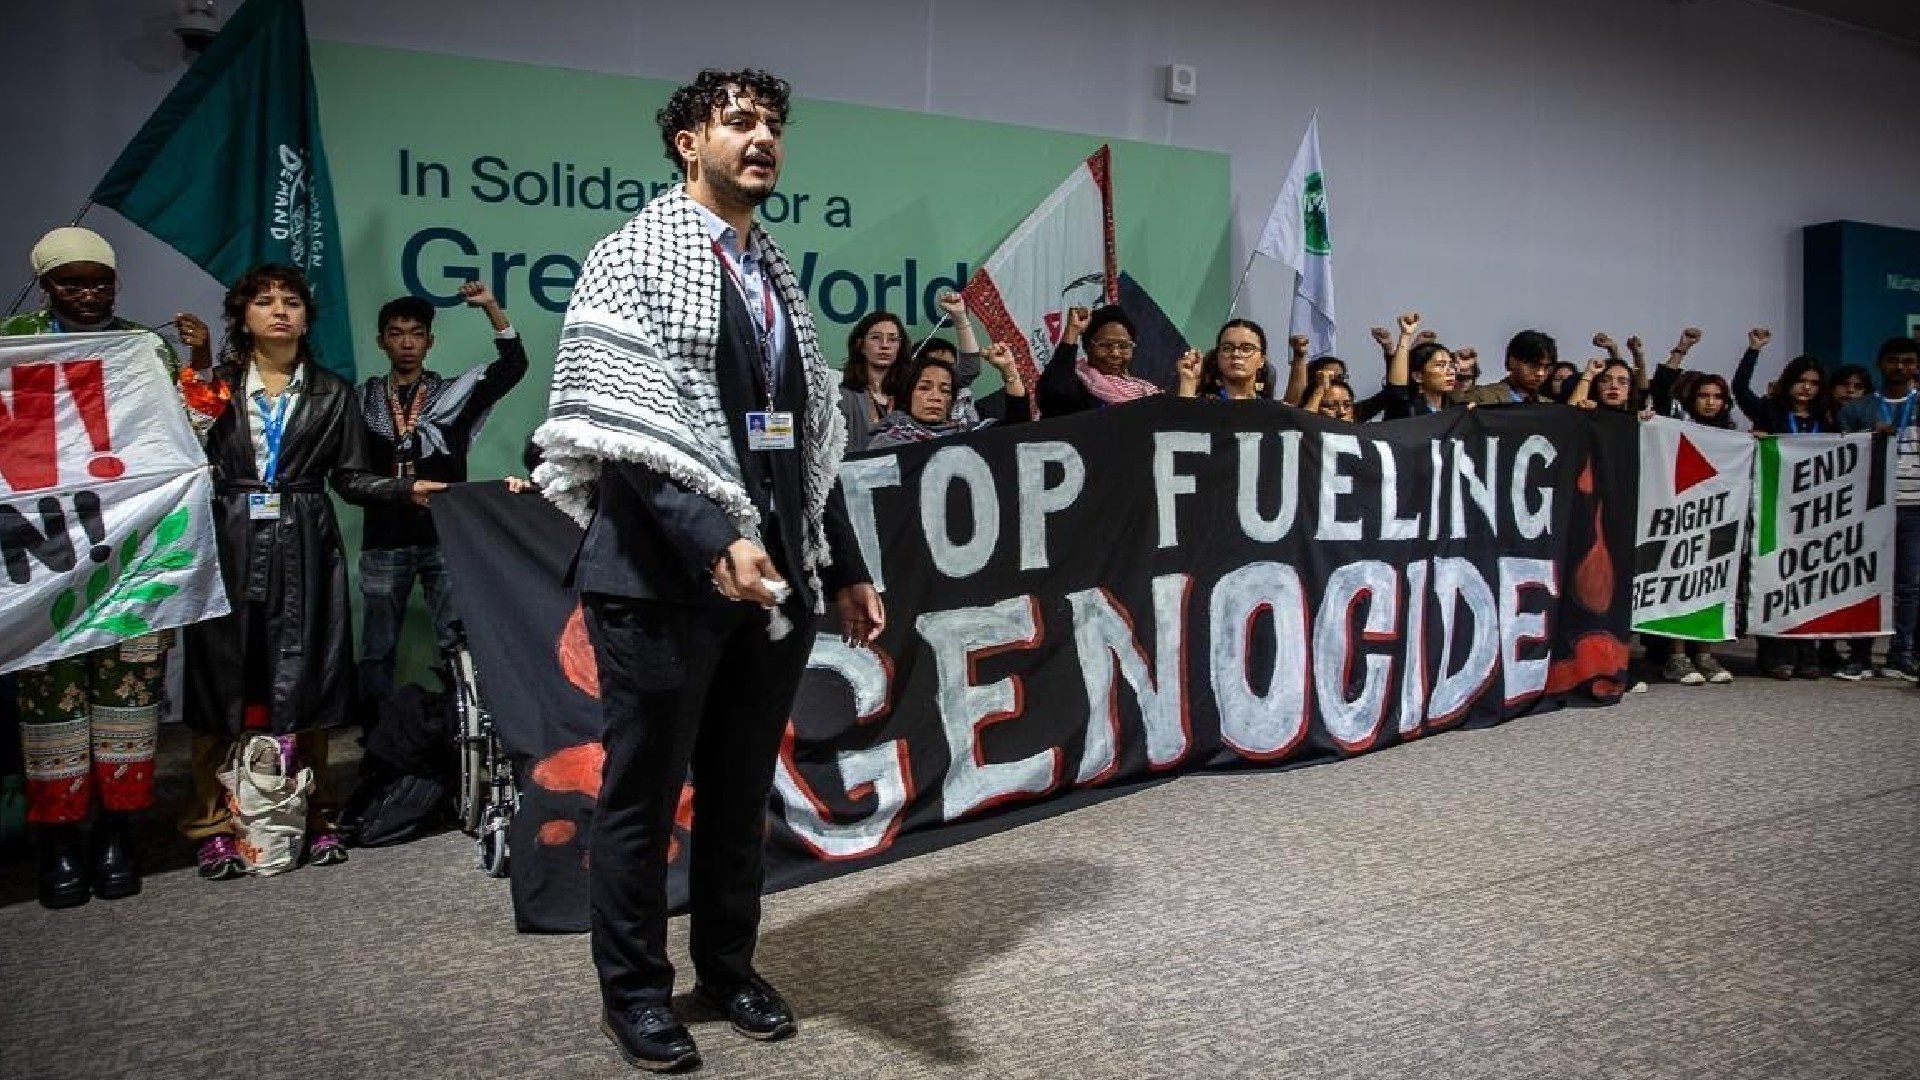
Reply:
x=219 y=859
x=1640 y=686
x=1783 y=672
x=1710 y=667
x=1852 y=671
x=1900 y=666
x=326 y=849
x=1680 y=670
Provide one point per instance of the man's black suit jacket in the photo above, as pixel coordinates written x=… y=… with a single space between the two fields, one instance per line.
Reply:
x=652 y=539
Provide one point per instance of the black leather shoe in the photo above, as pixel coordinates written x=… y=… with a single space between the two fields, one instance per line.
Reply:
x=651 y=1037
x=116 y=873
x=754 y=1008
x=63 y=866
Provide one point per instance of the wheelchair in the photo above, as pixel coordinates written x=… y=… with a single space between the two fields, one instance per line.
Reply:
x=487 y=795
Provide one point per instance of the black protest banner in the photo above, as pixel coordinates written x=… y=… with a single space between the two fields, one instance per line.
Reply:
x=1100 y=600
x=508 y=555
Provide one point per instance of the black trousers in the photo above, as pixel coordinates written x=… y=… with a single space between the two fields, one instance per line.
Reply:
x=684 y=686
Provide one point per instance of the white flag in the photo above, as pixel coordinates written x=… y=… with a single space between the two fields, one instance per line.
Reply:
x=1062 y=255
x=1299 y=233
x=106 y=499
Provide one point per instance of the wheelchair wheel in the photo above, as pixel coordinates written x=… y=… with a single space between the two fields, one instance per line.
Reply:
x=493 y=843
x=476 y=771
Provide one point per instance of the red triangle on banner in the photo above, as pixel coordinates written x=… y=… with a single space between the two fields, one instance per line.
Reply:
x=1690 y=467
x=1860 y=618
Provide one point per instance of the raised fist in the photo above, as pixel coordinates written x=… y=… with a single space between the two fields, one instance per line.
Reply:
x=1077 y=319
x=1381 y=335
x=1604 y=340
x=1595 y=366
x=1409 y=322
x=1000 y=355
x=1758 y=337
x=1424 y=337
x=476 y=294
x=952 y=303
x=1300 y=343
x=1689 y=338
x=1635 y=345
x=1189 y=364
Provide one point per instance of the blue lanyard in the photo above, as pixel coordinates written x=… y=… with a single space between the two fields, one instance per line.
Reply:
x=1813 y=425
x=273 y=425
x=1906 y=411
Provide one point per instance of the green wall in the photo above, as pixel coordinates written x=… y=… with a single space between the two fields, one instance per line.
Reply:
x=446 y=168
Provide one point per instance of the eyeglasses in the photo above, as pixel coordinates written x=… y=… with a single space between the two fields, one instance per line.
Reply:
x=85 y=288
x=1336 y=406
x=1243 y=348
x=1112 y=346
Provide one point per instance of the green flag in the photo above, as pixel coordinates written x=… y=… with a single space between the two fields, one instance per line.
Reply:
x=230 y=170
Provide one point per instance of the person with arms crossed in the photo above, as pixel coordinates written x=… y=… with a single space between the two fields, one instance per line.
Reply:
x=710 y=537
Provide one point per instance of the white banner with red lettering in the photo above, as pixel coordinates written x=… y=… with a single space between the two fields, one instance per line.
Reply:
x=1061 y=256
x=106 y=511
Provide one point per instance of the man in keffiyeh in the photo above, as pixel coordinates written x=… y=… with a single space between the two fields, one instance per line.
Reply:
x=692 y=429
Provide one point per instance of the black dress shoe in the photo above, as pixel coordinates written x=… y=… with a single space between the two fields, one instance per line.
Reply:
x=63 y=866
x=651 y=1037
x=116 y=873
x=754 y=1008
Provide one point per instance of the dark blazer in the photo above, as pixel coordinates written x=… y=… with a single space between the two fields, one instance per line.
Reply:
x=652 y=539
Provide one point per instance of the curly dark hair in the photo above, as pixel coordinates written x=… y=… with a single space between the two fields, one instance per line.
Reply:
x=694 y=104
x=251 y=284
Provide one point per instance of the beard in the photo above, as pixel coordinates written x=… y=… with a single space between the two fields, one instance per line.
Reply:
x=725 y=183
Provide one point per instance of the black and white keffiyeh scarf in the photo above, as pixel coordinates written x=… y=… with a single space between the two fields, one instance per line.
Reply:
x=634 y=379
x=442 y=401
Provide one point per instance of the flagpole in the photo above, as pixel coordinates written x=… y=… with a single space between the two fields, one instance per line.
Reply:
x=21 y=298
x=1239 y=288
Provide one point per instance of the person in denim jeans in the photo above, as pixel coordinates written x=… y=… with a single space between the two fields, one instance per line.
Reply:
x=422 y=426
x=1895 y=410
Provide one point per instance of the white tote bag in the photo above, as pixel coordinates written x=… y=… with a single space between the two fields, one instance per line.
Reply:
x=268 y=802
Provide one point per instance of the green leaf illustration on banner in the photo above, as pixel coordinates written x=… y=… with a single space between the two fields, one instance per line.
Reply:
x=123 y=606
x=63 y=608
x=97 y=584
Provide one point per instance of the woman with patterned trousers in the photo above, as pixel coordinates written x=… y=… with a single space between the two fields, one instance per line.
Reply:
x=88 y=723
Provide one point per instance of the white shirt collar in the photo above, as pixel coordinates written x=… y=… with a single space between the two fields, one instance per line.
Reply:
x=720 y=232
x=295 y=384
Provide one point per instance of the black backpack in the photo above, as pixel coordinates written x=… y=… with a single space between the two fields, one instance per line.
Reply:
x=407 y=775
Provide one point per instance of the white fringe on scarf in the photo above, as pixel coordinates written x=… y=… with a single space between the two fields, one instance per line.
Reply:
x=634 y=379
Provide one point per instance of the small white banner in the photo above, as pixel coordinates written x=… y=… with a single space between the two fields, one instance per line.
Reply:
x=1823 y=522
x=1690 y=531
x=106 y=523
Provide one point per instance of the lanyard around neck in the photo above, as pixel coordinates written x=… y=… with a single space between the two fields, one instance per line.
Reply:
x=273 y=426
x=764 y=332
x=1905 y=414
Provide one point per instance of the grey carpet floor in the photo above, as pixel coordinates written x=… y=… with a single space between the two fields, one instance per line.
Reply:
x=1717 y=882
